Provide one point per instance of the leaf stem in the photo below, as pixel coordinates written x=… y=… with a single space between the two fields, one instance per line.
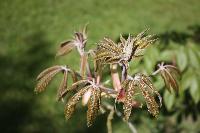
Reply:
x=124 y=72
x=115 y=77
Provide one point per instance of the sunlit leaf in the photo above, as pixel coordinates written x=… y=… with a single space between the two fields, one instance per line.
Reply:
x=182 y=59
x=194 y=61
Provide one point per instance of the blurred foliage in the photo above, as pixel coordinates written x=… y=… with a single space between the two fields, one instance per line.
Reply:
x=31 y=30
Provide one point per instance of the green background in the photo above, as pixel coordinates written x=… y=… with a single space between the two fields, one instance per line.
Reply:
x=30 y=33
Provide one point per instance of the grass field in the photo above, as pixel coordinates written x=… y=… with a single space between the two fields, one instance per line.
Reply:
x=30 y=31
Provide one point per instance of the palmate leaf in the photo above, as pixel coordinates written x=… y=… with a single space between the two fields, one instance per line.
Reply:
x=70 y=106
x=93 y=106
x=148 y=91
x=169 y=73
x=144 y=84
x=109 y=52
x=89 y=90
x=45 y=77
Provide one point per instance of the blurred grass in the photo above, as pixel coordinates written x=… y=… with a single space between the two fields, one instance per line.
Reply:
x=30 y=32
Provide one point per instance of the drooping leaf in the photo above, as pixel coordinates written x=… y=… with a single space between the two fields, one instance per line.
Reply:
x=166 y=80
x=169 y=73
x=47 y=71
x=150 y=87
x=143 y=83
x=65 y=48
x=93 y=106
x=150 y=101
x=172 y=80
x=44 y=81
x=63 y=86
x=129 y=100
x=70 y=106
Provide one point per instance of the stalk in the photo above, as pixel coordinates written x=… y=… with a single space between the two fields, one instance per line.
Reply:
x=124 y=72
x=115 y=77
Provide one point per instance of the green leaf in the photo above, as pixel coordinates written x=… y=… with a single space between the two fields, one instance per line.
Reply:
x=193 y=58
x=148 y=64
x=166 y=55
x=194 y=90
x=187 y=76
x=182 y=59
x=150 y=58
x=169 y=99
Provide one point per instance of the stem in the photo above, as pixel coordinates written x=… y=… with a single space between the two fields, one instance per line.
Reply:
x=109 y=120
x=120 y=115
x=84 y=67
x=115 y=77
x=89 y=74
x=83 y=64
x=108 y=90
x=124 y=72
x=98 y=78
x=132 y=127
x=156 y=72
